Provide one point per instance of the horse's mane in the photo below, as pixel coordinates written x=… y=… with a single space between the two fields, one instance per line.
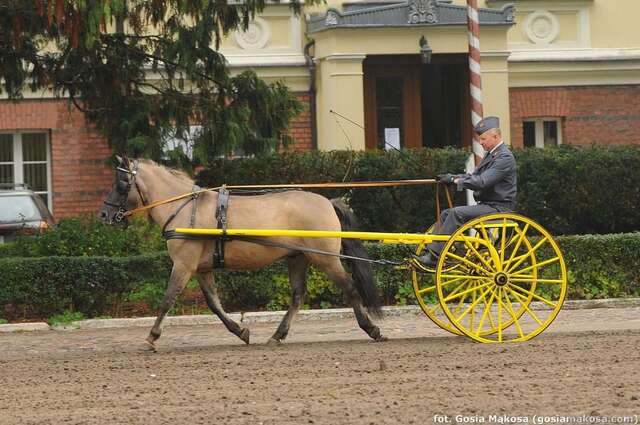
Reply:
x=178 y=173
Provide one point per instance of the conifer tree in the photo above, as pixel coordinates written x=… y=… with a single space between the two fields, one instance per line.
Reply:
x=143 y=71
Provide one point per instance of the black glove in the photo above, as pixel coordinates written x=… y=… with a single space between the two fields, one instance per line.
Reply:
x=445 y=178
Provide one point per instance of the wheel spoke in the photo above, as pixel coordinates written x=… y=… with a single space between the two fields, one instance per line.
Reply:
x=461 y=301
x=461 y=276
x=464 y=260
x=520 y=239
x=538 y=265
x=472 y=304
x=477 y=254
x=525 y=304
x=536 y=296
x=459 y=294
x=531 y=251
x=504 y=236
x=426 y=290
x=512 y=313
x=499 y=314
x=534 y=279
x=487 y=311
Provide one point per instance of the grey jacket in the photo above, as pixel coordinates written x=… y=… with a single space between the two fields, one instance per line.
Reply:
x=494 y=181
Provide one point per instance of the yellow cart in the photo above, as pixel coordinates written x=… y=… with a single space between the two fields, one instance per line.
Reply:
x=500 y=277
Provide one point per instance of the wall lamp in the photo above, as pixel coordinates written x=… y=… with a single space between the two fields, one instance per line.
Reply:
x=425 y=50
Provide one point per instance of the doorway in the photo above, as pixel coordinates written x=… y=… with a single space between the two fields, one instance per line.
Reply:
x=409 y=104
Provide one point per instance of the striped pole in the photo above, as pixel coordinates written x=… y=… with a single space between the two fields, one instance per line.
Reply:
x=475 y=78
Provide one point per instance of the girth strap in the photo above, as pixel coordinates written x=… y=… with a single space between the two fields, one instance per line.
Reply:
x=221 y=217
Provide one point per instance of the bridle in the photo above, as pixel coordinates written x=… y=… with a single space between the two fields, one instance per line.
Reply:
x=123 y=187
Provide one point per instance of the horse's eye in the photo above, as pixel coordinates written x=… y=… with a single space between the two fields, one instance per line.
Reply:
x=122 y=186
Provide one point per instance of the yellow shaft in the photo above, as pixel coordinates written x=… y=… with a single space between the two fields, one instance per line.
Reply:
x=404 y=238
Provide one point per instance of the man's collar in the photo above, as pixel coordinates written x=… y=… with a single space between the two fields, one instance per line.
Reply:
x=496 y=147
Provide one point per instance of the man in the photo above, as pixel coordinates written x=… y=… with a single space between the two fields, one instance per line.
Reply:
x=493 y=182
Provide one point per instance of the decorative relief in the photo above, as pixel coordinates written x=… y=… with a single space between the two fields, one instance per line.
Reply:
x=541 y=27
x=256 y=36
x=509 y=13
x=331 y=19
x=422 y=11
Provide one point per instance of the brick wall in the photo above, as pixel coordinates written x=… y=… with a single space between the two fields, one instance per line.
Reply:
x=595 y=114
x=80 y=178
x=301 y=126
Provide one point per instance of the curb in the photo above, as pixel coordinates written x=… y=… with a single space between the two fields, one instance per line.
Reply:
x=24 y=327
x=276 y=316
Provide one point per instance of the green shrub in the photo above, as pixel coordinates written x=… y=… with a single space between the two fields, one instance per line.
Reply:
x=568 y=190
x=600 y=266
x=45 y=286
x=88 y=236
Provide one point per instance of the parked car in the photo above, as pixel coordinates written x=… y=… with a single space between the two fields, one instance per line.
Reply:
x=22 y=212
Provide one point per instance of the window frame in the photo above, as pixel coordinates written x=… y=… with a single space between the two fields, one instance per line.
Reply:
x=539 y=129
x=19 y=163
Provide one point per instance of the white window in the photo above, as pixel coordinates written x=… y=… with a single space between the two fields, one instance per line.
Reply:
x=25 y=157
x=542 y=132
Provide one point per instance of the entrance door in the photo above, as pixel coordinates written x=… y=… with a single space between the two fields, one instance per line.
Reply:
x=392 y=106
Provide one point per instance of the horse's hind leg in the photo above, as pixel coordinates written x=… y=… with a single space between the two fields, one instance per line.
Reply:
x=298 y=267
x=210 y=291
x=180 y=275
x=336 y=273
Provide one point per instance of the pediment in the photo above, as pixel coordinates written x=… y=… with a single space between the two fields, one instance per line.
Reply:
x=405 y=14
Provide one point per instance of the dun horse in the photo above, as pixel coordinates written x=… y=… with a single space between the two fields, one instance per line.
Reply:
x=145 y=182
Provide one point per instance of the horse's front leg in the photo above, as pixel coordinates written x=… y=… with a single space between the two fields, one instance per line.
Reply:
x=298 y=267
x=180 y=275
x=210 y=291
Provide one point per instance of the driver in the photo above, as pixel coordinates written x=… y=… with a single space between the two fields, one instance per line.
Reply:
x=493 y=182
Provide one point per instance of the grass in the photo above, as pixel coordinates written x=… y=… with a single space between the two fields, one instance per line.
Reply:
x=65 y=318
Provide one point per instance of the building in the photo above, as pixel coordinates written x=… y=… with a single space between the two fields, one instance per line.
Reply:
x=554 y=71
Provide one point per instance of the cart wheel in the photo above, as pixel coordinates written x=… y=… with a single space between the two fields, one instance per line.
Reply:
x=424 y=288
x=516 y=279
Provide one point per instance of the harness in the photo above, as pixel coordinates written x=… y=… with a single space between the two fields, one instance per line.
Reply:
x=222 y=209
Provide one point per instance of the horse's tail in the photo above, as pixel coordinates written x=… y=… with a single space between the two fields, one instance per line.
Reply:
x=360 y=270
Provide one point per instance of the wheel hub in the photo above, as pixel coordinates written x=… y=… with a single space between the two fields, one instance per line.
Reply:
x=501 y=279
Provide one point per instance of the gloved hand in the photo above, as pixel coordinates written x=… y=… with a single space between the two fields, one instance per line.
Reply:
x=445 y=178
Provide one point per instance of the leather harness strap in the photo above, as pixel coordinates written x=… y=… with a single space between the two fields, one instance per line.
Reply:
x=221 y=216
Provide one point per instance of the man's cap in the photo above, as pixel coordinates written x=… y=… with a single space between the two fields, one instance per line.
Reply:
x=487 y=124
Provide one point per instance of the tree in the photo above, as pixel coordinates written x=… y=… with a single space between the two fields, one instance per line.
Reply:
x=145 y=70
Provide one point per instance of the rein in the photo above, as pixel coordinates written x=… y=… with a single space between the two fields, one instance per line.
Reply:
x=384 y=183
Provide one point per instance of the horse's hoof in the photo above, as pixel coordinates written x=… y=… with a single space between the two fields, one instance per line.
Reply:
x=274 y=342
x=244 y=335
x=381 y=339
x=150 y=346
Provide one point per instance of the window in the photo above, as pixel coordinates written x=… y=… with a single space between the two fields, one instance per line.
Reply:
x=542 y=132
x=25 y=158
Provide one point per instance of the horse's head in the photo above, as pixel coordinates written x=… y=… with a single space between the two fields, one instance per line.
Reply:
x=121 y=198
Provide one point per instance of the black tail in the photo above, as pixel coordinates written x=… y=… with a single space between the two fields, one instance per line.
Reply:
x=360 y=270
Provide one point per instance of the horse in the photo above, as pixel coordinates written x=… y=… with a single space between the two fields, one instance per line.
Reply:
x=291 y=209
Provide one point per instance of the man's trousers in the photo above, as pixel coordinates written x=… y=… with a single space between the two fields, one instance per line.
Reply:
x=453 y=218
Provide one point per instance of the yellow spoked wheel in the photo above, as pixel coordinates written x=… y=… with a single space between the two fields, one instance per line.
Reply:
x=424 y=288
x=501 y=277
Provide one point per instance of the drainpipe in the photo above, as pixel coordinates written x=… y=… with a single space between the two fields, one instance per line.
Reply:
x=312 y=94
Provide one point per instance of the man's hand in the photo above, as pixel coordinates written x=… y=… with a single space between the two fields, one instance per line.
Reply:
x=445 y=178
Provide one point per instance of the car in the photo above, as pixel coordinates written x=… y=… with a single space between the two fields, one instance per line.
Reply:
x=22 y=212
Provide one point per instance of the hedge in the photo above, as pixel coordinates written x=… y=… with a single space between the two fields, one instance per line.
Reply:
x=88 y=236
x=600 y=266
x=568 y=190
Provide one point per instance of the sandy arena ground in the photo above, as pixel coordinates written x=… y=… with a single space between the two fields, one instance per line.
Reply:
x=328 y=372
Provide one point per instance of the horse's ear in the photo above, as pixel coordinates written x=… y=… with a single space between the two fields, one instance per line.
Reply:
x=119 y=158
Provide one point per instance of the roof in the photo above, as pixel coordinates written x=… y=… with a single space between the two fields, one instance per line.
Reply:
x=408 y=13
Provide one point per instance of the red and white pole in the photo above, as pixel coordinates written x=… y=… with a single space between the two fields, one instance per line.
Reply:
x=475 y=77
